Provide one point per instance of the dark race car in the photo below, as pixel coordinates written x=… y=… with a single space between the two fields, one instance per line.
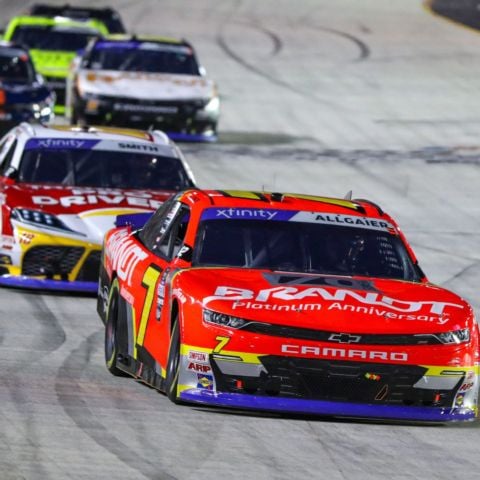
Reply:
x=53 y=44
x=24 y=95
x=144 y=82
x=107 y=15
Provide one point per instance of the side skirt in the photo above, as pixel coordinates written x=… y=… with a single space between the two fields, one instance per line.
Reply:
x=140 y=371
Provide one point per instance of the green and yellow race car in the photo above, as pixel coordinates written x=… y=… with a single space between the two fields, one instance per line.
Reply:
x=53 y=43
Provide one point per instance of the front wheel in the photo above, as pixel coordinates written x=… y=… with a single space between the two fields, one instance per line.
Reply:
x=173 y=364
x=111 y=326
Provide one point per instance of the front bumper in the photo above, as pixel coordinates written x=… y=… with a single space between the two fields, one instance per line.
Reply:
x=23 y=281
x=72 y=267
x=13 y=114
x=58 y=85
x=290 y=384
x=328 y=408
x=181 y=120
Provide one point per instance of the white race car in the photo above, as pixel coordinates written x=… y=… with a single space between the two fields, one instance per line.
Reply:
x=143 y=82
x=62 y=188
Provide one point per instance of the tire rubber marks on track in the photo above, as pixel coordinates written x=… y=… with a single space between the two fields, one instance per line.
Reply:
x=364 y=53
x=69 y=394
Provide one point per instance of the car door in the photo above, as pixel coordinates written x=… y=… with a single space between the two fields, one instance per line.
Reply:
x=162 y=237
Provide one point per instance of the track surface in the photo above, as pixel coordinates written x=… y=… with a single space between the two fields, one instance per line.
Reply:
x=318 y=97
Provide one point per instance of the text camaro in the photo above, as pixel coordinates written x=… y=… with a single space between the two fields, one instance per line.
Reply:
x=288 y=303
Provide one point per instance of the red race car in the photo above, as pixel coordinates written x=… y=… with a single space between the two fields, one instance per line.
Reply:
x=288 y=303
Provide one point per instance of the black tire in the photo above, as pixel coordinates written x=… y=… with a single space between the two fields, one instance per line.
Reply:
x=111 y=325
x=173 y=364
x=74 y=116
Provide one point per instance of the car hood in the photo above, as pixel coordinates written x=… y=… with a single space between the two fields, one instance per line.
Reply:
x=52 y=63
x=83 y=212
x=145 y=86
x=331 y=303
x=17 y=92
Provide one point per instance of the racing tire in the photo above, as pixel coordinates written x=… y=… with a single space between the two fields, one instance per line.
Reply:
x=111 y=326
x=173 y=364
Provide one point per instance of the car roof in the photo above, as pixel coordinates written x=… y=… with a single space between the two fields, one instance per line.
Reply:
x=91 y=132
x=90 y=24
x=145 y=38
x=107 y=15
x=282 y=201
x=12 y=48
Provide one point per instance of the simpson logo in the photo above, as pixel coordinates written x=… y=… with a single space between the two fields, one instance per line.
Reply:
x=332 y=352
x=126 y=255
x=194 y=356
x=373 y=299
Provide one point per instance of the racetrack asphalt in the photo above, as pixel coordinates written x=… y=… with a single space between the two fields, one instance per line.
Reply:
x=318 y=97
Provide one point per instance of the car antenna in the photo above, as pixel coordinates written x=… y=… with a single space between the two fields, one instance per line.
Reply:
x=348 y=196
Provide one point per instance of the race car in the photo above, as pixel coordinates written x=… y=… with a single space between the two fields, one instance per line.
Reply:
x=285 y=303
x=61 y=189
x=53 y=43
x=108 y=16
x=144 y=82
x=23 y=93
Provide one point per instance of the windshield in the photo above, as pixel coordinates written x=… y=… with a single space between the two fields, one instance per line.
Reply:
x=16 y=67
x=302 y=247
x=151 y=58
x=100 y=168
x=51 y=38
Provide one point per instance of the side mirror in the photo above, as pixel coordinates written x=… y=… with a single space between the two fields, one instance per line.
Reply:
x=11 y=173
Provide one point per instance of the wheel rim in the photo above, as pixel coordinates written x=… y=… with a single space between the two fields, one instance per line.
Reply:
x=110 y=337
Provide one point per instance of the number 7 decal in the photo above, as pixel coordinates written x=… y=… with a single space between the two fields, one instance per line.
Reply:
x=149 y=281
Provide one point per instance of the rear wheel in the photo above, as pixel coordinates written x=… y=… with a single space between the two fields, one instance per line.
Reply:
x=173 y=364
x=111 y=326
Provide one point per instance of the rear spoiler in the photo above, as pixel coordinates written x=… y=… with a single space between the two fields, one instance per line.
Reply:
x=134 y=220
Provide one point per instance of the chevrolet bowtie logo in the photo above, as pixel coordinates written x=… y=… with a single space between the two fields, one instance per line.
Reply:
x=344 y=338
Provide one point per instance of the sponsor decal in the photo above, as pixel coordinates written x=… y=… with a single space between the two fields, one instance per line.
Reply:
x=185 y=253
x=246 y=213
x=161 y=293
x=199 y=367
x=374 y=302
x=125 y=255
x=117 y=45
x=343 y=220
x=200 y=357
x=344 y=353
x=5 y=260
x=140 y=147
x=204 y=381
x=298 y=216
x=129 y=107
x=25 y=238
x=344 y=338
x=96 y=199
x=59 y=143
x=466 y=386
x=294 y=307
